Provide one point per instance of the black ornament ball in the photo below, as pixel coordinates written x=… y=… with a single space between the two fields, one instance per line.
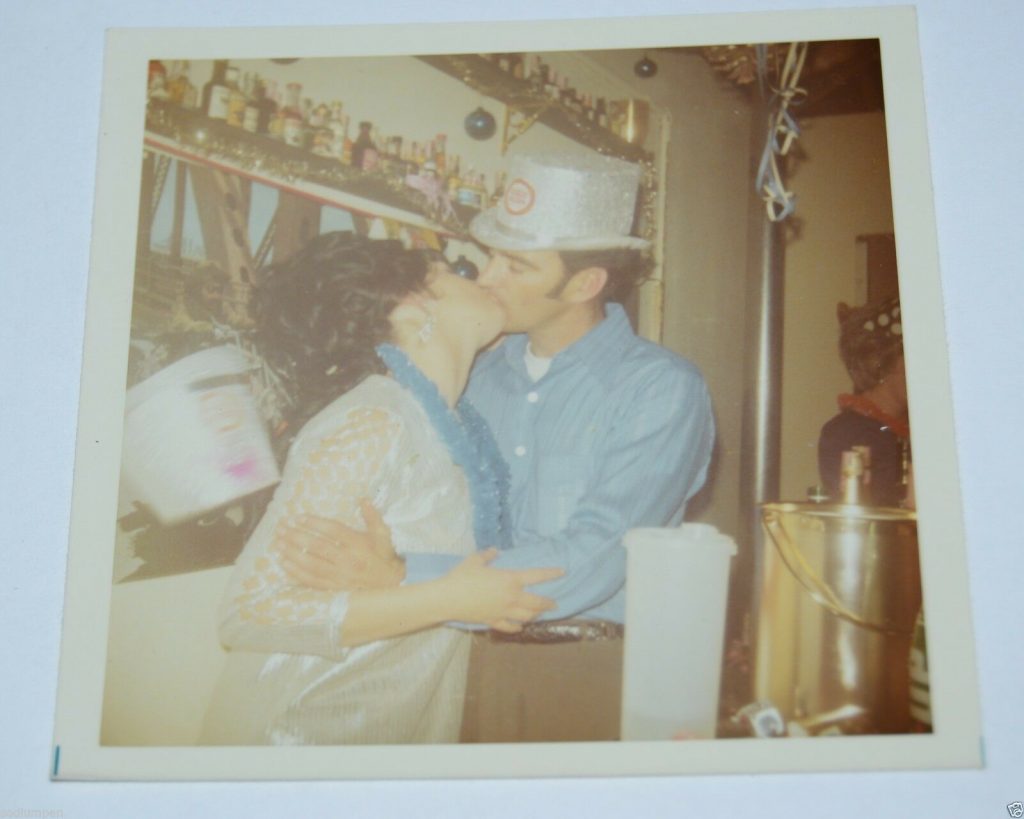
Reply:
x=465 y=268
x=480 y=124
x=645 y=68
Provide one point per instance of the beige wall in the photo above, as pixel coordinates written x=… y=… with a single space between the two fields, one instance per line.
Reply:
x=707 y=189
x=163 y=658
x=843 y=191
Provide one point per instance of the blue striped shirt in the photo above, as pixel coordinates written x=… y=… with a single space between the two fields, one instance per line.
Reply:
x=617 y=434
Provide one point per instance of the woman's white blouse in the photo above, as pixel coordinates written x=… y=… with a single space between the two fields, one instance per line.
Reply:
x=287 y=679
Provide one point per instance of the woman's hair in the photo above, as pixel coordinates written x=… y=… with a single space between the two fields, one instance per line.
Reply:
x=870 y=340
x=321 y=312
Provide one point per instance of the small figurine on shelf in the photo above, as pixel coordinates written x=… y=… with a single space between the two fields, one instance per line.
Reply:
x=433 y=189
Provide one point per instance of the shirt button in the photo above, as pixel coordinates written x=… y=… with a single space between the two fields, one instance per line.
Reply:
x=520 y=451
x=532 y=397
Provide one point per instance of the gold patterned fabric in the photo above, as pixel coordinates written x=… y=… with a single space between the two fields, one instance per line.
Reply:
x=287 y=679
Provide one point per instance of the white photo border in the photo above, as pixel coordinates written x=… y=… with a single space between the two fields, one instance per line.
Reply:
x=955 y=741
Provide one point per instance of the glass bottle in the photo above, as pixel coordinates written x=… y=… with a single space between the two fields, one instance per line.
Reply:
x=189 y=96
x=364 y=151
x=265 y=107
x=236 y=99
x=216 y=92
x=156 y=83
x=850 y=473
x=347 y=145
x=440 y=154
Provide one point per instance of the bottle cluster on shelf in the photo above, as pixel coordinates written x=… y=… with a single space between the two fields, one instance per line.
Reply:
x=281 y=112
x=620 y=117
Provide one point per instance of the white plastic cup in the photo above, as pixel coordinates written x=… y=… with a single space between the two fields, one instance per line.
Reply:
x=676 y=593
x=193 y=438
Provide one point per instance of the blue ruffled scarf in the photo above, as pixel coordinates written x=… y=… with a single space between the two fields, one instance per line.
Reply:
x=470 y=444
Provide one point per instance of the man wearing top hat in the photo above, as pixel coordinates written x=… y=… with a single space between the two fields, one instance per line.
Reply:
x=603 y=431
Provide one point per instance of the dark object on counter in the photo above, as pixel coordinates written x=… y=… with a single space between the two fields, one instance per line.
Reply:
x=214 y=540
x=889 y=456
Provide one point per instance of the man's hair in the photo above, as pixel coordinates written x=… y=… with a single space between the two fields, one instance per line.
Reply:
x=627 y=268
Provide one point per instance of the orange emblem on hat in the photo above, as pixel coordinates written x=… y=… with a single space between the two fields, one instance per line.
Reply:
x=519 y=197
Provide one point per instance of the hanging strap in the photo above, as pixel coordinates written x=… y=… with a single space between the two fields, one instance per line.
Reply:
x=782 y=130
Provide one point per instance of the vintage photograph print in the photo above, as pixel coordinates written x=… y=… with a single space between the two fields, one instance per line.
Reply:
x=511 y=400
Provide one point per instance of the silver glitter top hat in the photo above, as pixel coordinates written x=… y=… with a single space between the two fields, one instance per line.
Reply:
x=563 y=202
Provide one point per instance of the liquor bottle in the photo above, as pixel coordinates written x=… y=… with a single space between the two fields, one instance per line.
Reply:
x=293 y=129
x=156 y=83
x=236 y=99
x=175 y=86
x=601 y=113
x=292 y=105
x=275 y=128
x=440 y=154
x=319 y=115
x=337 y=127
x=251 y=120
x=865 y=478
x=535 y=74
x=564 y=91
x=364 y=151
x=480 y=195
x=348 y=145
x=588 y=107
x=216 y=92
x=454 y=180
x=265 y=107
x=499 y=188
x=189 y=96
x=851 y=472
x=551 y=88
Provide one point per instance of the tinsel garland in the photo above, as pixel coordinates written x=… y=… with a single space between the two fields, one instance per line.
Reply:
x=470 y=443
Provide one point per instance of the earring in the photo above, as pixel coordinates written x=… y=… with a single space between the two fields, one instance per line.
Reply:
x=426 y=330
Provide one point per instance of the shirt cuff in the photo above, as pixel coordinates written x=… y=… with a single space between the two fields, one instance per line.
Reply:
x=422 y=567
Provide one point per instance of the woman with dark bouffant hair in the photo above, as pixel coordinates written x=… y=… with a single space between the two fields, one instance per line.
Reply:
x=375 y=344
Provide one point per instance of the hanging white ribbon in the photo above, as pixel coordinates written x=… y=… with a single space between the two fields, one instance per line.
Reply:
x=781 y=132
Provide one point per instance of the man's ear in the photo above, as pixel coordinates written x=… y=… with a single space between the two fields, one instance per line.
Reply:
x=585 y=284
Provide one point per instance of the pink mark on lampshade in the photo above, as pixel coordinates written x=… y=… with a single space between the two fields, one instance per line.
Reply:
x=243 y=470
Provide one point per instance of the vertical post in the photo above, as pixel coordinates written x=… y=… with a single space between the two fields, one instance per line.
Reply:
x=760 y=455
x=178 y=225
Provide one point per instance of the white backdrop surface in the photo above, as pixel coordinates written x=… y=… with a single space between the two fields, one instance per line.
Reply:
x=50 y=74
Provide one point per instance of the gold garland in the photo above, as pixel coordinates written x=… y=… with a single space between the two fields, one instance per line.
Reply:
x=739 y=62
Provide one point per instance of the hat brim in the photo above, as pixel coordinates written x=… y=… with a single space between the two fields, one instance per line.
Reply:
x=486 y=230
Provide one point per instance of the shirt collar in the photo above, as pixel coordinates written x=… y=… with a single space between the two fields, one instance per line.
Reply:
x=599 y=348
